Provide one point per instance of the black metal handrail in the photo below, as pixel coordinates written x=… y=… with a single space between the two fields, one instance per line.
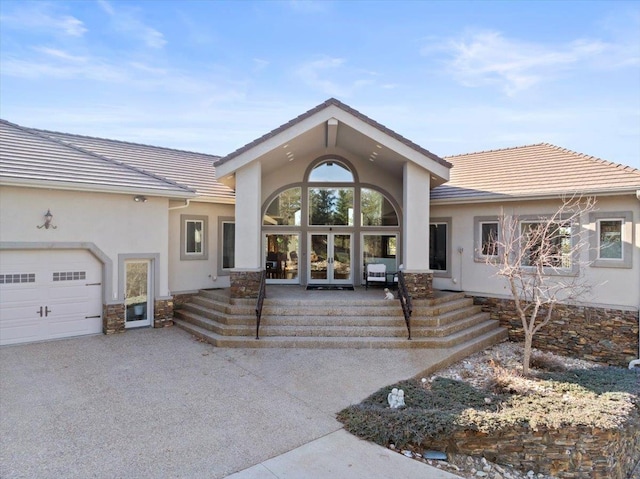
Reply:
x=262 y=293
x=405 y=301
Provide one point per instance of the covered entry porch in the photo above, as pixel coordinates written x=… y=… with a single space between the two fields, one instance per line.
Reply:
x=326 y=194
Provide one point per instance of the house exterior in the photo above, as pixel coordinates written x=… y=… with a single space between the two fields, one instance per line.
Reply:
x=311 y=202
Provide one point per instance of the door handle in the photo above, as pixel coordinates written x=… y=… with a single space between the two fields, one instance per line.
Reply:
x=46 y=311
x=40 y=311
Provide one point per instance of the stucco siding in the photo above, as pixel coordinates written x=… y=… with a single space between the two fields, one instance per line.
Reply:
x=610 y=286
x=114 y=223
x=191 y=275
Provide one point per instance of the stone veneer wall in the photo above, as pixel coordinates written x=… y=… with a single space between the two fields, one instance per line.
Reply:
x=576 y=452
x=603 y=335
x=245 y=284
x=112 y=318
x=162 y=313
x=419 y=285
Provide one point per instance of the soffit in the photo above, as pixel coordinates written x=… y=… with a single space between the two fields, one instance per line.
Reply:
x=331 y=128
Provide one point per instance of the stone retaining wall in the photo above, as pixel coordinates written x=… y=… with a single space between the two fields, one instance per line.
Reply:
x=608 y=336
x=569 y=453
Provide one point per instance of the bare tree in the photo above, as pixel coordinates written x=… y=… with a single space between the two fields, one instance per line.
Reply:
x=539 y=259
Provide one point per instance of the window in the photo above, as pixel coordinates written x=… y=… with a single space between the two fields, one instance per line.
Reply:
x=376 y=209
x=610 y=239
x=284 y=209
x=331 y=206
x=228 y=245
x=439 y=246
x=193 y=237
x=331 y=172
x=549 y=243
x=486 y=235
x=281 y=256
x=610 y=245
x=380 y=249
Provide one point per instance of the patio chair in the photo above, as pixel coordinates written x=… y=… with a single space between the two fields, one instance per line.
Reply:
x=376 y=273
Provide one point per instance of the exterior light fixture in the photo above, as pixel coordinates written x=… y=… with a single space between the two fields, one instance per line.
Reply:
x=47 y=221
x=140 y=199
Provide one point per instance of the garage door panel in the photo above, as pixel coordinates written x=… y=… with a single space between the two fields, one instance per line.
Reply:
x=58 y=282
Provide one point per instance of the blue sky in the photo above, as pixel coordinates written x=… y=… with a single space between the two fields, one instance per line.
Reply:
x=454 y=77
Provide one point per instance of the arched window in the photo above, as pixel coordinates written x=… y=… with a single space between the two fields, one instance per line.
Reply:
x=331 y=171
x=376 y=209
x=284 y=209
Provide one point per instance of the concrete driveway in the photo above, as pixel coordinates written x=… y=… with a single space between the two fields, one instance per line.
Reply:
x=158 y=403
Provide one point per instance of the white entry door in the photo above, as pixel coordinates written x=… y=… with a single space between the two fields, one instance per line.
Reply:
x=330 y=258
x=49 y=294
x=137 y=300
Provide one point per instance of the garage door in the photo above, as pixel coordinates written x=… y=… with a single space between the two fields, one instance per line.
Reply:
x=49 y=295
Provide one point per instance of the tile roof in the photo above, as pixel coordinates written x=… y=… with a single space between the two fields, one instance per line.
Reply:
x=29 y=157
x=531 y=171
x=194 y=170
x=346 y=108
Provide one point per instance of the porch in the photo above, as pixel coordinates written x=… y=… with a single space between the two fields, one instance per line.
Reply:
x=294 y=317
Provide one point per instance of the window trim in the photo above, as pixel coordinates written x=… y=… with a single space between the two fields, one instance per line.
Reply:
x=184 y=255
x=478 y=221
x=627 y=239
x=446 y=273
x=221 y=222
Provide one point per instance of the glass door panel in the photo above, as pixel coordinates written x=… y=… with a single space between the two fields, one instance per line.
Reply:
x=318 y=257
x=136 y=299
x=341 y=259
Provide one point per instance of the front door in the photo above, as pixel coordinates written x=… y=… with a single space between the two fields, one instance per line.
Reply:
x=330 y=258
x=137 y=300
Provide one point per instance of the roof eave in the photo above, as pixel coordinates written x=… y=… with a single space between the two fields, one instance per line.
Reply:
x=95 y=188
x=533 y=196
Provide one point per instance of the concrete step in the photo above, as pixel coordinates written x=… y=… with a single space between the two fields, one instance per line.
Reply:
x=475 y=342
x=215 y=315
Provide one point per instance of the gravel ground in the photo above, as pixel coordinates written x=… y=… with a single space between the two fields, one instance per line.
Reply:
x=476 y=370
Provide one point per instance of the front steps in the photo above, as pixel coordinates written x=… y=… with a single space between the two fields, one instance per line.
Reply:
x=448 y=321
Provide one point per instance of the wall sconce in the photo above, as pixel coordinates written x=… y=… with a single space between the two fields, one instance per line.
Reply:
x=47 y=221
x=140 y=199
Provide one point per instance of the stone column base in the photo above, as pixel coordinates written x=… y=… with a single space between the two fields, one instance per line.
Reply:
x=419 y=285
x=162 y=313
x=245 y=284
x=112 y=318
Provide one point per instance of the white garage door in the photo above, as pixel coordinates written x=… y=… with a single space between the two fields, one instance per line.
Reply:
x=49 y=294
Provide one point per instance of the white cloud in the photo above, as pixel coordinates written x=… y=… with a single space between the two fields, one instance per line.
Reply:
x=125 y=20
x=43 y=17
x=60 y=54
x=332 y=77
x=489 y=58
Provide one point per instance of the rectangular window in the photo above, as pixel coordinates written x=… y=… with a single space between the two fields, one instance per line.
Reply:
x=380 y=249
x=193 y=237
x=331 y=206
x=438 y=246
x=228 y=244
x=69 y=275
x=17 y=278
x=549 y=243
x=489 y=238
x=610 y=239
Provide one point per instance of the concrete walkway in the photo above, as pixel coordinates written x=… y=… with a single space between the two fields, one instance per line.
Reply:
x=158 y=403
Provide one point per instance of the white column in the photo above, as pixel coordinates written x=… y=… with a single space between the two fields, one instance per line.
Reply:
x=248 y=217
x=416 y=218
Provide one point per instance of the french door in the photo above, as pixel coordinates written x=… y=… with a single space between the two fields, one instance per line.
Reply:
x=137 y=300
x=330 y=258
